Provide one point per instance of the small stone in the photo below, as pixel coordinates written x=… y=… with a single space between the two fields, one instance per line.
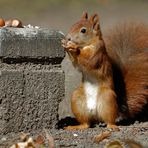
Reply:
x=4 y=139
x=37 y=27
x=136 y=122
x=75 y=135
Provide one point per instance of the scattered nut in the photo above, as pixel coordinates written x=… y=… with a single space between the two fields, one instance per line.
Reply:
x=8 y=23
x=17 y=23
x=2 y=22
x=13 y=23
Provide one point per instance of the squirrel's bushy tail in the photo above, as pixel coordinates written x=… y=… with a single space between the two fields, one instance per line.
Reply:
x=127 y=39
x=127 y=45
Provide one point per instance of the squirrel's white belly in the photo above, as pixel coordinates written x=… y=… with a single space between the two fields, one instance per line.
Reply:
x=91 y=92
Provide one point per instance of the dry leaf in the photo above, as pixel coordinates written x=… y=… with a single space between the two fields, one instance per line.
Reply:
x=40 y=140
x=28 y=144
x=114 y=144
x=24 y=137
x=50 y=139
x=102 y=136
x=133 y=144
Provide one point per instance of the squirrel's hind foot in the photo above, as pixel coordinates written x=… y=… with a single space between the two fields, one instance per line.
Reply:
x=77 y=127
x=113 y=127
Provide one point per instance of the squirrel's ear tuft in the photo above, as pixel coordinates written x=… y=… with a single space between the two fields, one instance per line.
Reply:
x=94 y=19
x=96 y=27
x=84 y=16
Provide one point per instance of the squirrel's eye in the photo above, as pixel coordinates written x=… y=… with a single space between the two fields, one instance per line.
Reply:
x=83 y=30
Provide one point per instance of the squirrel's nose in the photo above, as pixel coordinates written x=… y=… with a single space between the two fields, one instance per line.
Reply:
x=69 y=38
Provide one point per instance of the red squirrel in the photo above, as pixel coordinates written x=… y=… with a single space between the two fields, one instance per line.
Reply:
x=110 y=86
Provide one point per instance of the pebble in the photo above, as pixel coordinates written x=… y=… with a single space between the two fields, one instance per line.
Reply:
x=75 y=135
x=3 y=139
x=30 y=26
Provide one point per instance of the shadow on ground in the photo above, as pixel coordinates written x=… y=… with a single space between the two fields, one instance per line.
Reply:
x=142 y=117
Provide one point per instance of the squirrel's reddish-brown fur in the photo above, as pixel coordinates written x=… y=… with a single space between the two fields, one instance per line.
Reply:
x=127 y=45
x=114 y=72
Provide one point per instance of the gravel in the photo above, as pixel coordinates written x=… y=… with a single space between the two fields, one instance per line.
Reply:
x=137 y=132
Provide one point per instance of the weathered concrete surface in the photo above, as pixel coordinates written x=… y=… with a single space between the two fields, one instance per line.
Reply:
x=29 y=100
x=30 y=91
x=30 y=43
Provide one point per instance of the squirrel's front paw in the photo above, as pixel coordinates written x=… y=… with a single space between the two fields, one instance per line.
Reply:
x=69 y=46
x=63 y=42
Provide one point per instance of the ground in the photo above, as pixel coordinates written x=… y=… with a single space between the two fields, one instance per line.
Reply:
x=137 y=132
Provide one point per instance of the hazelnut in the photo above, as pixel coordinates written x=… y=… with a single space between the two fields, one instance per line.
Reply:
x=14 y=23
x=2 y=22
x=17 y=23
x=8 y=23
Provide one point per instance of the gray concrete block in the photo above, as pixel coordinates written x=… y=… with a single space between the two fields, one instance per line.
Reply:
x=11 y=100
x=28 y=43
x=44 y=90
x=30 y=88
x=29 y=100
